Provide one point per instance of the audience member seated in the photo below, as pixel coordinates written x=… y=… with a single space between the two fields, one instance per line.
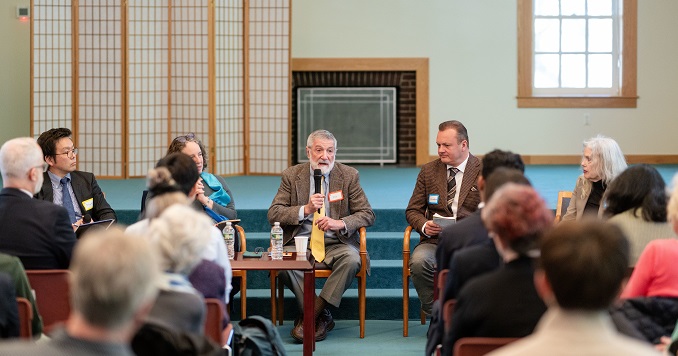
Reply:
x=480 y=256
x=636 y=202
x=601 y=162
x=175 y=181
x=22 y=288
x=9 y=313
x=38 y=232
x=650 y=298
x=580 y=272
x=111 y=293
x=179 y=235
x=504 y=303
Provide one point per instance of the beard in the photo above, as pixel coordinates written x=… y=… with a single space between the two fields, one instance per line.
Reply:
x=324 y=168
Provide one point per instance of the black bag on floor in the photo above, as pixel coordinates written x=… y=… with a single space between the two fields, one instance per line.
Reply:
x=257 y=336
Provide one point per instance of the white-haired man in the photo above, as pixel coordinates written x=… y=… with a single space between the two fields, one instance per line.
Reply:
x=36 y=231
x=331 y=219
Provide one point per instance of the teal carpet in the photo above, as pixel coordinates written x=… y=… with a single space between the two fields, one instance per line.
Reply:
x=382 y=337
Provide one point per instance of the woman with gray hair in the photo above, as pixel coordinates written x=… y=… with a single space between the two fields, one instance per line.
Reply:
x=179 y=235
x=602 y=161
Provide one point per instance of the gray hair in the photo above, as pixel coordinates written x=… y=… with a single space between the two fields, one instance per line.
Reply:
x=611 y=162
x=320 y=134
x=18 y=156
x=113 y=275
x=180 y=235
x=606 y=151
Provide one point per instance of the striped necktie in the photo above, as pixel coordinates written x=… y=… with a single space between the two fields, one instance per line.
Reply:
x=451 y=186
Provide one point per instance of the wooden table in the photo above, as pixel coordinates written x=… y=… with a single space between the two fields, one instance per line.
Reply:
x=264 y=263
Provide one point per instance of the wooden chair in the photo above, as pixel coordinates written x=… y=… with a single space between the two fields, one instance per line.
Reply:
x=214 y=317
x=448 y=310
x=563 y=202
x=479 y=346
x=323 y=271
x=441 y=279
x=406 y=283
x=51 y=295
x=25 y=318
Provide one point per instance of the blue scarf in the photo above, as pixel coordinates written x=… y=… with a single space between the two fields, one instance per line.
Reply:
x=219 y=196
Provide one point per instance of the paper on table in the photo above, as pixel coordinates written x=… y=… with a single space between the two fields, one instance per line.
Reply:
x=443 y=221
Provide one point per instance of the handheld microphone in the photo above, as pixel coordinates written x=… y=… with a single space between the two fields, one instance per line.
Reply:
x=86 y=219
x=317 y=178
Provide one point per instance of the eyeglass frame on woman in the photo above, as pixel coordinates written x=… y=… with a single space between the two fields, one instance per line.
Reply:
x=189 y=137
x=74 y=151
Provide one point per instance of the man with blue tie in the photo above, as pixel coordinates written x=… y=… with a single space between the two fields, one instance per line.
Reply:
x=84 y=195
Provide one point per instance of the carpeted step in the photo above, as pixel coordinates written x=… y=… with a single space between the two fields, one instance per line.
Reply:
x=380 y=245
x=384 y=274
x=381 y=304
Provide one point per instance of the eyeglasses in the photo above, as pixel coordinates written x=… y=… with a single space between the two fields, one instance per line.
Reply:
x=44 y=166
x=70 y=153
x=190 y=137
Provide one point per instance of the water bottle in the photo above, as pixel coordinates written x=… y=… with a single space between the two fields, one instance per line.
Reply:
x=229 y=232
x=276 y=242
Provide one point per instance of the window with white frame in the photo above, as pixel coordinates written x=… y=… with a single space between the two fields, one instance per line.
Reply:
x=577 y=49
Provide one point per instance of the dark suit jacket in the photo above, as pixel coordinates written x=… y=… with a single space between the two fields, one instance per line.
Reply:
x=503 y=303
x=470 y=263
x=85 y=187
x=294 y=192
x=432 y=179
x=468 y=232
x=36 y=231
x=9 y=313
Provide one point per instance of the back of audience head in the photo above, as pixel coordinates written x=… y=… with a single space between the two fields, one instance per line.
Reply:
x=584 y=263
x=638 y=187
x=517 y=216
x=180 y=234
x=498 y=158
x=501 y=176
x=22 y=164
x=606 y=156
x=183 y=170
x=163 y=192
x=113 y=279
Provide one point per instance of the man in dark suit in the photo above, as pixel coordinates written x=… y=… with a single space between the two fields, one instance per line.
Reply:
x=346 y=210
x=471 y=230
x=446 y=186
x=84 y=195
x=36 y=231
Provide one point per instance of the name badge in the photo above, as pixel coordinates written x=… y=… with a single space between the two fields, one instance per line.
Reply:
x=335 y=196
x=433 y=198
x=88 y=204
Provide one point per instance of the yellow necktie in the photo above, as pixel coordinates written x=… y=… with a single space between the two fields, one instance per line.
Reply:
x=317 y=235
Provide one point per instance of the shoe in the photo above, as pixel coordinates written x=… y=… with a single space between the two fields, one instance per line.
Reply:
x=323 y=325
x=298 y=330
